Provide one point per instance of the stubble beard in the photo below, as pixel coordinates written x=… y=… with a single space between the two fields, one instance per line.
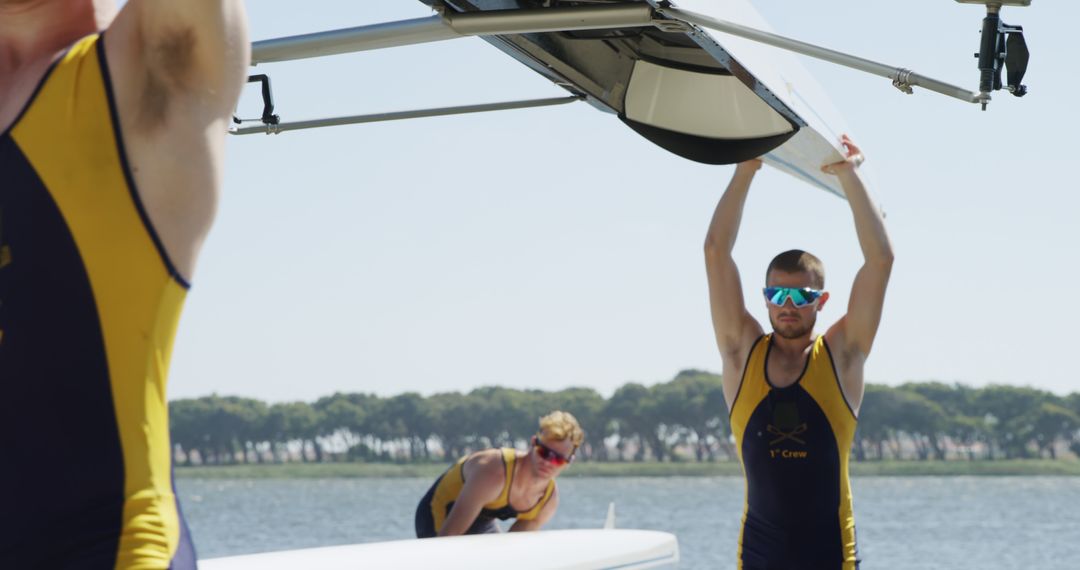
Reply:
x=793 y=331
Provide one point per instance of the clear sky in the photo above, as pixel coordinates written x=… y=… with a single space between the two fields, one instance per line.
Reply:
x=554 y=247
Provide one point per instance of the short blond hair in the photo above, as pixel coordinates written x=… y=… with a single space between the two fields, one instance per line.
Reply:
x=562 y=426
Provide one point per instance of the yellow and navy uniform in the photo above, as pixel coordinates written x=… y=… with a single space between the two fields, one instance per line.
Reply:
x=794 y=444
x=433 y=509
x=89 y=305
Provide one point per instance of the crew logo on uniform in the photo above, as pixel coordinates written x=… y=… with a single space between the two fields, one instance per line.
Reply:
x=785 y=424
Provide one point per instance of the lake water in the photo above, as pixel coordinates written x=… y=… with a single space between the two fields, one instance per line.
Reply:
x=959 y=523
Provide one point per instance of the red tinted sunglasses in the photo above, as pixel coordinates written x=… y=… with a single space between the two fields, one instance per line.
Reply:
x=550 y=455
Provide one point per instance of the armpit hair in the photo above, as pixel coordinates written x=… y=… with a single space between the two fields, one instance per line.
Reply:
x=169 y=59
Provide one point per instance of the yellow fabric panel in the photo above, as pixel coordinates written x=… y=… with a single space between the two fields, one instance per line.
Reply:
x=750 y=394
x=453 y=481
x=447 y=492
x=67 y=135
x=751 y=390
x=531 y=513
x=509 y=456
x=821 y=383
x=847 y=511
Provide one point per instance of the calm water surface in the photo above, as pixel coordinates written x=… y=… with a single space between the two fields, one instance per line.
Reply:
x=962 y=523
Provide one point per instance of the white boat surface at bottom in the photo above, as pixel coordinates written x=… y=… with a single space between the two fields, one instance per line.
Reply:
x=580 y=549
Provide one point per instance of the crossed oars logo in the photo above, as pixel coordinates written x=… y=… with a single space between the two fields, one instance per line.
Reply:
x=786 y=435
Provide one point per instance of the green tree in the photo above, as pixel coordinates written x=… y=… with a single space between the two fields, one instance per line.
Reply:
x=629 y=407
x=587 y=405
x=1007 y=411
x=296 y=421
x=232 y=423
x=888 y=416
x=343 y=417
x=456 y=417
x=1072 y=402
x=924 y=421
x=187 y=427
x=414 y=419
x=506 y=413
x=964 y=425
x=876 y=421
x=704 y=412
x=1050 y=423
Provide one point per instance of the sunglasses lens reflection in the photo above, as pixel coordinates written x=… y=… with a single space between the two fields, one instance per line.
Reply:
x=799 y=297
x=550 y=455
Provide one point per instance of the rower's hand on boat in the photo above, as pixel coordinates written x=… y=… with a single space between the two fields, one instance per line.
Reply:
x=854 y=157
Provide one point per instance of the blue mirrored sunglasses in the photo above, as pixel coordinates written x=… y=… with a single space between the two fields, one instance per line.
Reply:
x=800 y=297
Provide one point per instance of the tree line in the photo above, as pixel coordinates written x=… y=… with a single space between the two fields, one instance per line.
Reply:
x=684 y=419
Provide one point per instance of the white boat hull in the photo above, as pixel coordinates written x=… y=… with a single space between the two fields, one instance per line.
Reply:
x=585 y=549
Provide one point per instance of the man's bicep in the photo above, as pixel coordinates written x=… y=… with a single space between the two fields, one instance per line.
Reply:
x=865 y=306
x=461 y=516
x=732 y=323
x=483 y=483
x=466 y=508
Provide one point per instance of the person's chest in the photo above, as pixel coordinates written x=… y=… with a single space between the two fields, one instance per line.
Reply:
x=784 y=370
x=524 y=498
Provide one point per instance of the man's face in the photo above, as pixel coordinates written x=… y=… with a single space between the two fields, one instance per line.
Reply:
x=790 y=321
x=553 y=464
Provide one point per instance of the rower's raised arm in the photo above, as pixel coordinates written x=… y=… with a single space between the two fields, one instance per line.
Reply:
x=176 y=69
x=857 y=329
x=734 y=327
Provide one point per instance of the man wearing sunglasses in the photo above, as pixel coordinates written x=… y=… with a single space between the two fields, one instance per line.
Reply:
x=793 y=396
x=502 y=484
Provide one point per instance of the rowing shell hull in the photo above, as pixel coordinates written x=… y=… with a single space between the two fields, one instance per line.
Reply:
x=779 y=72
x=703 y=95
x=621 y=549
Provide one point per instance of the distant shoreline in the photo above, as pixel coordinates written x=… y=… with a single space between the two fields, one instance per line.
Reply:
x=1010 y=467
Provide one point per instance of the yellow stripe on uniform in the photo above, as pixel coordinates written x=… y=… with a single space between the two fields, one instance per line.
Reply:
x=67 y=135
x=451 y=483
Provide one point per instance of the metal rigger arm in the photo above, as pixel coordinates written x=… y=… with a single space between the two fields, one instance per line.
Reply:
x=1002 y=46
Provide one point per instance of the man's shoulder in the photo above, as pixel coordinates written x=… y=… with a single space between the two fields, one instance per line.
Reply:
x=736 y=355
x=839 y=345
x=485 y=474
x=486 y=463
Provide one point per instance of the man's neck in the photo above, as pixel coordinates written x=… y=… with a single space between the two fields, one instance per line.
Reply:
x=33 y=30
x=792 y=346
x=527 y=479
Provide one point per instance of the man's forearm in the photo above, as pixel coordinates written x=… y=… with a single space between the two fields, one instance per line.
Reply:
x=724 y=227
x=869 y=224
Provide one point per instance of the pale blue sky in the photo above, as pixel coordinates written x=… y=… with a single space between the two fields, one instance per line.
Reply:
x=554 y=247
